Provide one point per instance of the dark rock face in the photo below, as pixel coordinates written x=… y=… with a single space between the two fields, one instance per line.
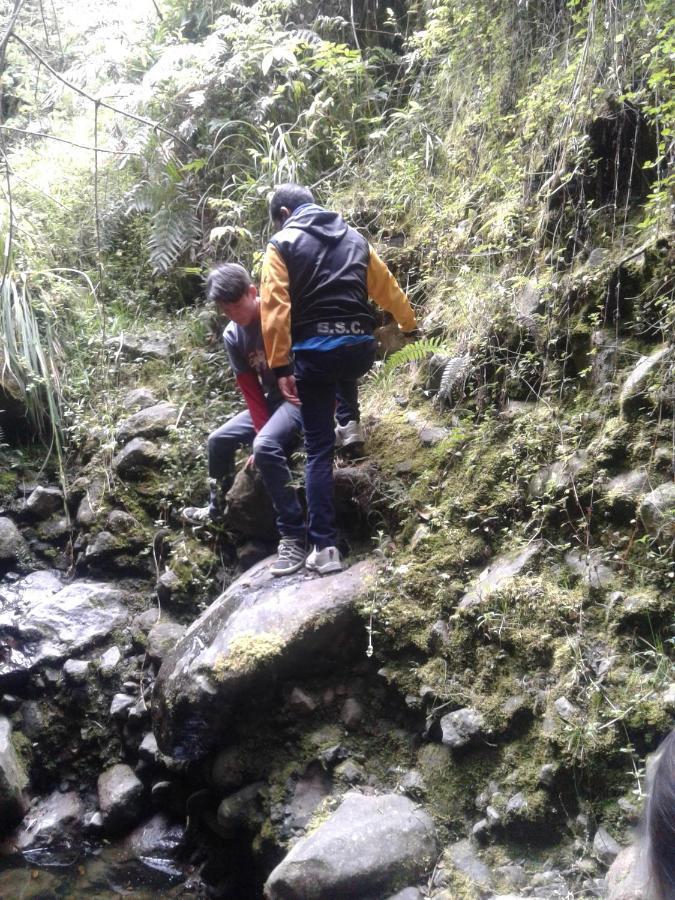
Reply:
x=12 y=545
x=249 y=508
x=137 y=455
x=13 y=780
x=365 y=848
x=162 y=638
x=259 y=629
x=46 y=622
x=44 y=501
x=156 y=843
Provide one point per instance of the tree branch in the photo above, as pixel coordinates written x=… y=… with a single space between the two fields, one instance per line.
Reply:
x=52 y=137
x=155 y=125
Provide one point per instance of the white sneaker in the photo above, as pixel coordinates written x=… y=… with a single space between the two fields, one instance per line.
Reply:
x=324 y=561
x=351 y=433
x=291 y=556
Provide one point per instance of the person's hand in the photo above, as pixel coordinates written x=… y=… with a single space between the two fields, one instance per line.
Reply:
x=249 y=465
x=410 y=336
x=288 y=388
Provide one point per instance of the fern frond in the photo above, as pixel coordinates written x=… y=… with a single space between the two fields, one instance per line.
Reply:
x=173 y=230
x=455 y=372
x=414 y=352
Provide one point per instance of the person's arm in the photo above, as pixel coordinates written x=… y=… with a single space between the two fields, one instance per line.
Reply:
x=252 y=390
x=275 y=312
x=385 y=291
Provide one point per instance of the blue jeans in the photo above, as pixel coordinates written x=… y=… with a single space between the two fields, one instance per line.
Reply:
x=324 y=377
x=270 y=451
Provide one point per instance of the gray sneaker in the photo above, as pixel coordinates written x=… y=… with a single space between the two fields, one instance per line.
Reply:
x=291 y=557
x=325 y=561
x=202 y=515
x=351 y=433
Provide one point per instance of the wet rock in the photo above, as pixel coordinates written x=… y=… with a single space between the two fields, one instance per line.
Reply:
x=120 y=706
x=500 y=570
x=13 y=547
x=253 y=552
x=120 y=795
x=148 y=749
x=139 y=398
x=242 y=811
x=109 y=662
x=635 y=394
x=168 y=584
x=413 y=784
x=463 y=857
x=307 y=793
x=136 y=456
x=547 y=775
x=249 y=507
x=44 y=501
x=50 y=622
x=231 y=768
x=76 y=670
x=301 y=702
x=366 y=846
x=605 y=848
x=461 y=728
x=557 y=476
x=102 y=547
x=260 y=629
x=566 y=710
x=657 y=512
x=157 y=844
x=162 y=638
x=352 y=714
x=409 y=893
x=13 y=780
x=149 y=422
x=50 y=825
x=121 y=522
x=54 y=529
x=589 y=566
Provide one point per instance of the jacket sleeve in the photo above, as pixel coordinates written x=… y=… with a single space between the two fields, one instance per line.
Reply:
x=255 y=398
x=275 y=312
x=385 y=291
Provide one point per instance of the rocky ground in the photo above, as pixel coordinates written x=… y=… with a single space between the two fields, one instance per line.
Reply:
x=465 y=712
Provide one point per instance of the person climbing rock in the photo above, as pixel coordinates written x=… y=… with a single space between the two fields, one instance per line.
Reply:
x=270 y=423
x=317 y=325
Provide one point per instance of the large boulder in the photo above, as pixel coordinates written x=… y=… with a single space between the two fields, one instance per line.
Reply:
x=148 y=422
x=120 y=797
x=51 y=825
x=13 y=780
x=366 y=848
x=259 y=629
x=43 y=501
x=13 y=548
x=629 y=878
x=136 y=456
x=49 y=622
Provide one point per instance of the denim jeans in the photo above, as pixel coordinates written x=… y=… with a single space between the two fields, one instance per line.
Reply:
x=271 y=447
x=324 y=377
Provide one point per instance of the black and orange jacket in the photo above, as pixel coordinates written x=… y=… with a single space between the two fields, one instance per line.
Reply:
x=317 y=275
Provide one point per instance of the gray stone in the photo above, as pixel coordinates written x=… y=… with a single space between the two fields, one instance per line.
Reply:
x=588 y=565
x=669 y=698
x=308 y=792
x=249 y=507
x=466 y=860
x=301 y=701
x=628 y=877
x=121 y=522
x=13 y=547
x=163 y=637
x=557 y=476
x=260 y=629
x=516 y=805
x=145 y=620
x=430 y=435
x=605 y=848
x=91 y=504
x=606 y=347
x=50 y=622
x=231 y=768
x=657 y=512
x=139 y=398
x=51 y=822
x=148 y=748
x=498 y=573
x=623 y=491
x=110 y=661
x=351 y=772
x=137 y=455
x=566 y=710
x=157 y=844
x=102 y=546
x=461 y=728
x=527 y=303
x=120 y=706
x=635 y=391
x=54 y=529
x=76 y=670
x=366 y=846
x=413 y=784
x=242 y=811
x=13 y=780
x=409 y=893
x=44 y=501
x=597 y=258
x=168 y=584
x=149 y=422
x=352 y=714
x=120 y=795
x=547 y=775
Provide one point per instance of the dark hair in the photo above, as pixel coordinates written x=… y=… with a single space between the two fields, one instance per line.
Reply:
x=291 y=196
x=661 y=821
x=227 y=282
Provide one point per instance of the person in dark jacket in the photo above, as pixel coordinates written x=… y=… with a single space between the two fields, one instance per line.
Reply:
x=317 y=324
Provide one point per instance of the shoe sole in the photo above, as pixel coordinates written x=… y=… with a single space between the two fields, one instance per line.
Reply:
x=327 y=569
x=295 y=568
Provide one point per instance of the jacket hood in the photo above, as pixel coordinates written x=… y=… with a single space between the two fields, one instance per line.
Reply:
x=328 y=226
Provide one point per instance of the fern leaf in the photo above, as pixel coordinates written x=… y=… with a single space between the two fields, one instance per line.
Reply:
x=174 y=228
x=414 y=352
x=455 y=372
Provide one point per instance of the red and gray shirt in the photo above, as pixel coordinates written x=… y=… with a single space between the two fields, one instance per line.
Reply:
x=257 y=382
